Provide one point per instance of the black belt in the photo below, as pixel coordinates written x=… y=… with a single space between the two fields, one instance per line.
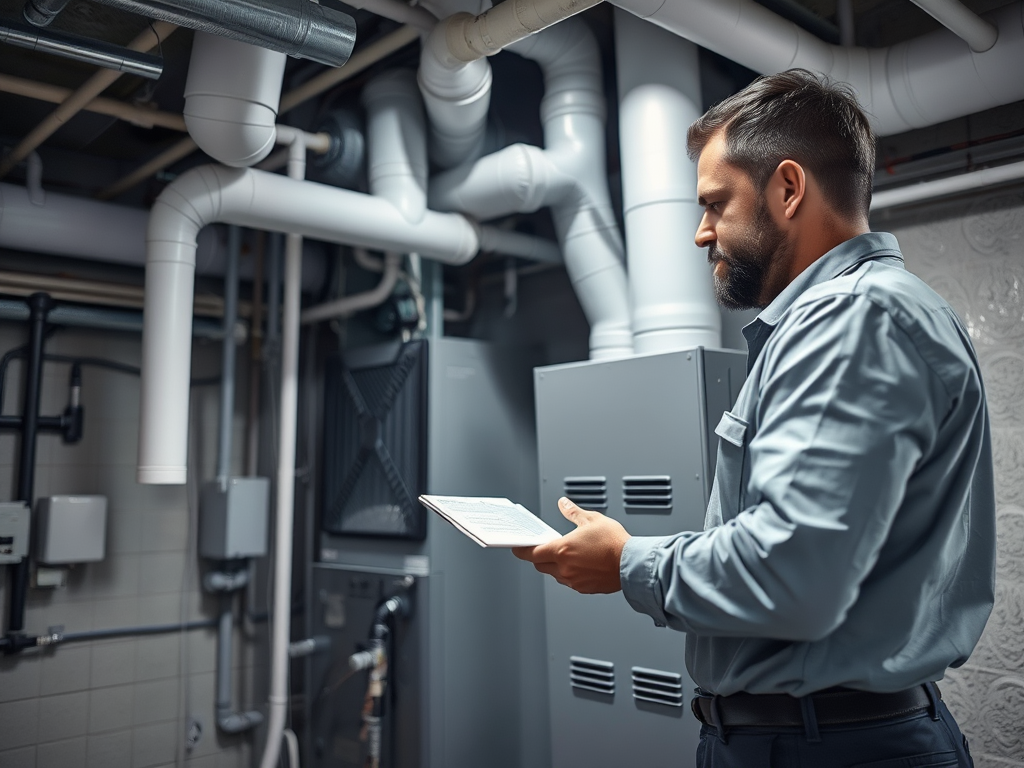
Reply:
x=838 y=706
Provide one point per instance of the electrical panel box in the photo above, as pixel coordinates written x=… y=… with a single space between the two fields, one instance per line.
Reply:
x=633 y=439
x=233 y=518
x=14 y=521
x=71 y=529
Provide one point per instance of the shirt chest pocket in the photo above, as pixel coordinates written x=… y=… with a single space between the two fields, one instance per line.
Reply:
x=727 y=496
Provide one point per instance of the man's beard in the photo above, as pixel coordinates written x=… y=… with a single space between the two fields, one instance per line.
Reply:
x=749 y=263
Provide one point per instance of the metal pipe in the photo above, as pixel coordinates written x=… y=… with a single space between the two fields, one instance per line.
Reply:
x=928 y=190
x=39 y=305
x=979 y=34
x=150 y=38
x=298 y=28
x=84 y=49
x=55 y=94
x=348 y=305
x=252 y=444
x=228 y=720
x=227 y=376
x=39 y=13
x=100 y=319
x=845 y=21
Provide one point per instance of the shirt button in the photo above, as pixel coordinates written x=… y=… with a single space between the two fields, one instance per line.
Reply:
x=658 y=623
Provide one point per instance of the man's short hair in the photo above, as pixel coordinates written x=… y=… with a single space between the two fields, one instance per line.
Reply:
x=800 y=116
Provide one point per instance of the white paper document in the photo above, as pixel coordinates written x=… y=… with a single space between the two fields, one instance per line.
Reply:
x=492 y=522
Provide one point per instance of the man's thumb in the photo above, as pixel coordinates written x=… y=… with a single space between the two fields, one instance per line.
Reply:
x=570 y=511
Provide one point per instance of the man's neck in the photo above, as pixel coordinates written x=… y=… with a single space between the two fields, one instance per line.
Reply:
x=815 y=243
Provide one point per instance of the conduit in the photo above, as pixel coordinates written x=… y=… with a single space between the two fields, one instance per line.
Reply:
x=568 y=175
x=140 y=116
x=362 y=59
x=348 y=305
x=928 y=190
x=285 y=507
x=913 y=84
x=93 y=87
x=670 y=286
x=979 y=34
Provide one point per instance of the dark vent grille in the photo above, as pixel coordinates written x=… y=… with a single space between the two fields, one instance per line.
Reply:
x=587 y=492
x=657 y=687
x=592 y=675
x=647 y=492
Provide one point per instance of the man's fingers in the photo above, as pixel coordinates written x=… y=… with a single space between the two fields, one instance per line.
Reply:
x=524 y=553
x=570 y=511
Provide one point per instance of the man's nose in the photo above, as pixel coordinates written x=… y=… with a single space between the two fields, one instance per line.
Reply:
x=705 y=233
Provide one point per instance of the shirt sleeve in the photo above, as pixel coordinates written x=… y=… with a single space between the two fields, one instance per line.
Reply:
x=846 y=409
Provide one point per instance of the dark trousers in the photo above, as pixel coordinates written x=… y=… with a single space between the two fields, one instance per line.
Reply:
x=914 y=741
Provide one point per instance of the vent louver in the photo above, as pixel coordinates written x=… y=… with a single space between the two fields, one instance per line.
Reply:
x=592 y=675
x=587 y=492
x=647 y=492
x=658 y=687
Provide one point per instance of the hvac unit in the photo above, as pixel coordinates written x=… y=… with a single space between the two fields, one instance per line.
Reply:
x=633 y=439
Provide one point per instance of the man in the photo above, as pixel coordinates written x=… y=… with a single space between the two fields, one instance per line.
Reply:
x=848 y=553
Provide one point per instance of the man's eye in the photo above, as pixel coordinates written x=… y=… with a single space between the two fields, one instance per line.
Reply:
x=716 y=207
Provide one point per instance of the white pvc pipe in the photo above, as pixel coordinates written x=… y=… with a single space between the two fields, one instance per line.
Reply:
x=914 y=84
x=348 y=305
x=928 y=190
x=568 y=175
x=396 y=143
x=456 y=95
x=573 y=112
x=231 y=98
x=962 y=22
x=670 y=283
x=285 y=508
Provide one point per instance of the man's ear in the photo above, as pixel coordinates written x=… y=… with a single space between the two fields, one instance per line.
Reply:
x=786 y=188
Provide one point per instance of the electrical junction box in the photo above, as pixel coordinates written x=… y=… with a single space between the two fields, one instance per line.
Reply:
x=233 y=518
x=14 y=519
x=71 y=529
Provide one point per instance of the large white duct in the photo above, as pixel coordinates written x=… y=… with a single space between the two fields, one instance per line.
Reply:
x=914 y=84
x=568 y=175
x=262 y=200
x=457 y=95
x=231 y=99
x=673 y=302
x=397 y=143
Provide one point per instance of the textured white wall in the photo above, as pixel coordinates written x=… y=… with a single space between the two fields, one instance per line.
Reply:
x=972 y=252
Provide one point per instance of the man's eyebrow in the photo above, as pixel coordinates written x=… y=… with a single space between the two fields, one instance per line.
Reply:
x=711 y=193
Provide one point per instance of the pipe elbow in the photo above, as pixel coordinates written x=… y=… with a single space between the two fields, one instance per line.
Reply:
x=186 y=205
x=231 y=99
x=238 y=722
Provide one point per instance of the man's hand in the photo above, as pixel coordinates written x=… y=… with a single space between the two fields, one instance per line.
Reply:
x=586 y=559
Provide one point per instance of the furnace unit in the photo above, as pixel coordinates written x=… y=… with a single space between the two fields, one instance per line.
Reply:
x=634 y=439
x=466 y=679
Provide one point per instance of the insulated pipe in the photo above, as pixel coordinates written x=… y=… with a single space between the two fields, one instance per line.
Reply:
x=84 y=49
x=928 y=190
x=670 y=286
x=456 y=95
x=298 y=28
x=231 y=99
x=962 y=22
x=914 y=84
x=348 y=305
x=397 y=143
x=473 y=37
x=249 y=198
x=40 y=13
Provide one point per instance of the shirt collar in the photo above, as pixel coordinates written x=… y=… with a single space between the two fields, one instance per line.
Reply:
x=842 y=258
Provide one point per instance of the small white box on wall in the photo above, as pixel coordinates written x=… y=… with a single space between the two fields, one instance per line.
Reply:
x=71 y=529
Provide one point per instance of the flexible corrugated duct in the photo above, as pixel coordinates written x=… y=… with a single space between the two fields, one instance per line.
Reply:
x=914 y=84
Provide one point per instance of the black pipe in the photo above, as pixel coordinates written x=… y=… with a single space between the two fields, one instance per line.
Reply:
x=39 y=305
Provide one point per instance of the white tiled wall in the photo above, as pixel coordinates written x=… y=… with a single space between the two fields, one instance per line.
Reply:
x=118 y=703
x=972 y=252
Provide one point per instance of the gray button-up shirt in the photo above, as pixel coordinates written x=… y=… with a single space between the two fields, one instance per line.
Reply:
x=850 y=537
